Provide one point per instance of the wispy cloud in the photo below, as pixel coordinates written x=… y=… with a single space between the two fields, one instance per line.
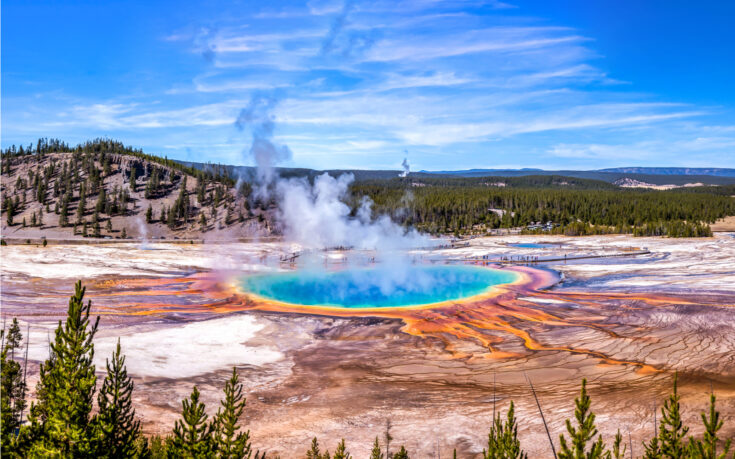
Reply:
x=449 y=79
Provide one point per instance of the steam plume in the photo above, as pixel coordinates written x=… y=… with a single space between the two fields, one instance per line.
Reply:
x=406 y=168
x=258 y=117
x=317 y=217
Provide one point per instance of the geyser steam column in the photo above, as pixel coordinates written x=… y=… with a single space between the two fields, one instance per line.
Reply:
x=416 y=286
x=315 y=215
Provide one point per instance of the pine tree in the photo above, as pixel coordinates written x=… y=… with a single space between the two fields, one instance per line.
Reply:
x=401 y=454
x=116 y=428
x=171 y=220
x=503 y=440
x=81 y=210
x=192 y=435
x=124 y=234
x=376 y=453
x=10 y=209
x=101 y=201
x=341 y=451
x=60 y=423
x=582 y=434
x=12 y=389
x=64 y=216
x=149 y=214
x=707 y=447
x=133 y=185
x=109 y=225
x=202 y=221
x=230 y=443
x=617 y=453
x=671 y=431
x=314 y=453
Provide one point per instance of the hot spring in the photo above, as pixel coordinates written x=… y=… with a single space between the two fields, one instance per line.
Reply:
x=380 y=287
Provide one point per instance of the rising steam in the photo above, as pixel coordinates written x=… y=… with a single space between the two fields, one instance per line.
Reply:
x=258 y=117
x=406 y=168
x=315 y=216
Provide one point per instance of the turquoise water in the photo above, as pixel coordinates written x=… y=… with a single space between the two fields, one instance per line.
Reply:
x=377 y=287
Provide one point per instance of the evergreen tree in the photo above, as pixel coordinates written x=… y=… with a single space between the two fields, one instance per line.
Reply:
x=707 y=447
x=401 y=454
x=158 y=447
x=192 y=435
x=201 y=187
x=376 y=453
x=133 y=174
x=60 y=423
x=171 y=220
x=314 y=453
x=109 y=225
x=101 y=201
x=341 y=451
x=12 y=389
x=64 y=215
x=81 y=206
x=502 y=442
x=202 y=221
x=617 y=453
x=671 y=431
x=582 y=434
x=230 y=443
x=124 y=234
x=182 y=201
x=117 y=430
x=149 y=214
x=10 y=207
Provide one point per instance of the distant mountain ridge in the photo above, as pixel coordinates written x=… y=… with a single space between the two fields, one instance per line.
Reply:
x=723 y=176
x=605 y=175
x=715 y=171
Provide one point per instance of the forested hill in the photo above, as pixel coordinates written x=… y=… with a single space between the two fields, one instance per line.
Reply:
x=104 y=189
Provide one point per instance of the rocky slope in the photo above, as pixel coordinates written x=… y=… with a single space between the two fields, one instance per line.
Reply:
x=44 y=195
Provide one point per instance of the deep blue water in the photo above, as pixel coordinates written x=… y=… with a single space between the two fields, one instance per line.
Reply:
x=381 y=287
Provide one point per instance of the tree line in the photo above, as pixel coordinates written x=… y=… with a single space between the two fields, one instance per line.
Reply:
x=62 y=421
x=473 y=209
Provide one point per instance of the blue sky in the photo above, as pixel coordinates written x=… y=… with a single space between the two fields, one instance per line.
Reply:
x=450 y=85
